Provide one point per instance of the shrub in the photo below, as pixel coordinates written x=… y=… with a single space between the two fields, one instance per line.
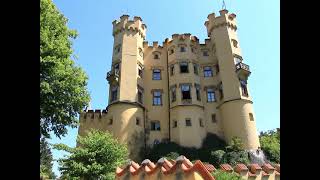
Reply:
x=216 y=157
x=222 y=175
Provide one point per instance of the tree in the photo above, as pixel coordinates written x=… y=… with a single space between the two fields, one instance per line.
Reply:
x=45 y=160
x=63 y=92
x=270 y=144
x=97 y=156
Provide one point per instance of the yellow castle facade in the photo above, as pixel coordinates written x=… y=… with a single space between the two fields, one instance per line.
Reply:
x=179 y=91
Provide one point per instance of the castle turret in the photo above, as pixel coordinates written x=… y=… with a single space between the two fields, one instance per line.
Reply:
x=235 y=102
x=126 y=86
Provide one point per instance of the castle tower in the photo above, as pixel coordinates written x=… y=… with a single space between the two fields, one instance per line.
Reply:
x=235 y=105
x=126 y=87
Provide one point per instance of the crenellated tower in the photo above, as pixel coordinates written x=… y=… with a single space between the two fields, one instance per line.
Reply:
x=236 y=104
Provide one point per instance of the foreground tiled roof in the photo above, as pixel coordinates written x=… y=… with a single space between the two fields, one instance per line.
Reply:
x=166 y=167
x=182 y=164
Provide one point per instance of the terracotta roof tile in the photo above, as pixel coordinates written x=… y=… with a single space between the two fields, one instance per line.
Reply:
x=277 y=166
x=267 y=168
x=226 y=167
x=210 y=167
x=265 y=174
x=254 y=167
x=240 y=167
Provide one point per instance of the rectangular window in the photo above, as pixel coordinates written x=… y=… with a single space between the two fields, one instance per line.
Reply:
x=172 y=70
x=156 y=74
x=184 y=67
x=185 y=91
x=188 y=122
x=198 y=92
x=140 y=72
x=114 y=93
x=173 y=94
x=201 y=123
x=214 y=119
x=195 y=69
x=156 y=56
x=211 y=95
x=157 y=101
x=140 y=99
x=155 y=126
x=137 y=121
x=251 y=117
x=207 y=71
x=116 y=69
x=175 y=124
x=110 y=121
x=182 y=49
x=205 y=53
x=244 y=88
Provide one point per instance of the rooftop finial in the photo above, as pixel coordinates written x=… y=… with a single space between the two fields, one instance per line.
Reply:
x=223 y=5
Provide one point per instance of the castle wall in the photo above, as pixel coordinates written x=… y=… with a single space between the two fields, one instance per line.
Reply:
x=156 y=112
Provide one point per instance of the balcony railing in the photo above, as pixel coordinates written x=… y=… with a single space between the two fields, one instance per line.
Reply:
x=113 y=75
x=243 y=70
x=243 y=66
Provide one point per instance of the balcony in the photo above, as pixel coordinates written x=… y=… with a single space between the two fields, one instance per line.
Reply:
x=113 y=76
x=242 y=70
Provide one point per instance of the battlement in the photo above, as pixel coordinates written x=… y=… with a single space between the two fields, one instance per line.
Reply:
x=181 y=37
x=225 y=19
x=93 y=114
x=154 y=45
x=125 y=24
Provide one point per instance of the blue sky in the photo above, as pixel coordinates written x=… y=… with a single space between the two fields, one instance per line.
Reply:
x=258 y=32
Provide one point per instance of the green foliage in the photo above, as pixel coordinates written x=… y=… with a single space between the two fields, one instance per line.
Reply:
x=63 y=90
x=210 y=143
x=172 y=155
x=222 y=175
x=270 y=144
x=216 y=157
x=46 y=160
x=235 y=157
x=97 y=156
x=236 y=144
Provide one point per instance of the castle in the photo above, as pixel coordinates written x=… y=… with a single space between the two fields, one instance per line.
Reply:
x=179 y=91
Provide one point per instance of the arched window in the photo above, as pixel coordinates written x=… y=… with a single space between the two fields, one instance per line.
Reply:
x=140 y=52
x=235 y=43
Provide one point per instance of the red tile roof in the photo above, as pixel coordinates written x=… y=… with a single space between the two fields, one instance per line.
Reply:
x=166 y=167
